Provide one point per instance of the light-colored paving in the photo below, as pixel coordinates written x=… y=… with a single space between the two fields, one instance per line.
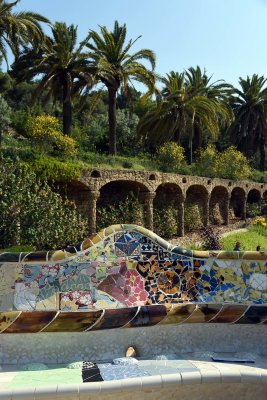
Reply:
x=62 y=382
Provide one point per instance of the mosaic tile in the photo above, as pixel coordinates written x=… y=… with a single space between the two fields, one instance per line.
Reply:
x=124 y=267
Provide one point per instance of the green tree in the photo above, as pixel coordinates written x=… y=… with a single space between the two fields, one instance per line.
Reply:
x=5 y=113
x=62 y=65
x=18 y=28
x=184 y=109
x=249 y=128
x=218 y=92
x=115 y=67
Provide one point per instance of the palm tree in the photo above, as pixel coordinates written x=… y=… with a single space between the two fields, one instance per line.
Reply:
x=18 y=28
x=249 y=129
x=62 y=66
x=183 y=109
x=116 y=68
x=200 y=84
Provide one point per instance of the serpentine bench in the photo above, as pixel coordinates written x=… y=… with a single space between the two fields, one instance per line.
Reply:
x=194 y=303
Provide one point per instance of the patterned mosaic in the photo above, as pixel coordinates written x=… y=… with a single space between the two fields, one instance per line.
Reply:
x=129 y=268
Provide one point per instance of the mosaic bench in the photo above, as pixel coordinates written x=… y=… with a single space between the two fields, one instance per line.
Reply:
x=126 y=276
x=197 y=304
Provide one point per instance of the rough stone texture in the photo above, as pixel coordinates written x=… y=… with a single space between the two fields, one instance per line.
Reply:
x=102 y=345
x=206 y=192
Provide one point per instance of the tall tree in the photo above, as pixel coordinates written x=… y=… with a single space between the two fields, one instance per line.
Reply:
x=115 y=67
x=62 y=66
x=199 y=84
x=249 y=128
x=18 y=28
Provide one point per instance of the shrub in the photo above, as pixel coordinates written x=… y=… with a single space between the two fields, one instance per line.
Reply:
x=253 y=209
x=207 y=164
x=259 y=225
x=5 y=113
x=192 y=219
x=230 y=164
x=233 y=165
x=171 y=157
x=32 y=214
x=44 y=132
x=211 y=239
x=165 y=222
x=127 y=211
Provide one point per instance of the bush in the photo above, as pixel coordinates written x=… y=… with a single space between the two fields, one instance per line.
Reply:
x=5 y=113
x=230 y=164
x=171 y=157
x=127 y=211
x=165 y=222
x=32 y=214
x=253 y=209
x=207 y=164
x=44 y=132
x=233 y=165
x=192 y=219
x=211 y=239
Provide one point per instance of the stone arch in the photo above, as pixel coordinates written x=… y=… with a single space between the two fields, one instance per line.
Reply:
x=78 y=192
x=133 y=198
x=169 y=210
x=219 y=205
x=196 y=207
x=253 y=203
x=238 y=203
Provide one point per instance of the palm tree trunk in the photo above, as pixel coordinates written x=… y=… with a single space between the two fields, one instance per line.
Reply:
x=112 y=120
x=262 y=155
x=197 y=136
x=67 y=110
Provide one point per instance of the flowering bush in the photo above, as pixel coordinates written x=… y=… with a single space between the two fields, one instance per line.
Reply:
x=44 y=131
x=171 y=157
x=230 y=164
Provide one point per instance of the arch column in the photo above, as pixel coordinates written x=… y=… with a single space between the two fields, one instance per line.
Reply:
x=244 y=208
x=180 y=230
x=206 y=211
x=92 y=197
x=148 y=208
x=226 y=211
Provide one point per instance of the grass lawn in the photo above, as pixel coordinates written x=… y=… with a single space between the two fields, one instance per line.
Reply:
x=249 y=241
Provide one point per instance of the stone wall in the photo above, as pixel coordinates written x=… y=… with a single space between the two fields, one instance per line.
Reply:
x=214 y=197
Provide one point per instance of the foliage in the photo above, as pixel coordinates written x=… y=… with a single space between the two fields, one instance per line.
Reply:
x=52 y=169
x=127 y=211
x=207 y=164
x=231 y=164
x=249 y=128
x=171 y=157
x=18 y=28
x=114 y=66
x=62 y=65
x=192 y=218
x=259 y=225
x=211 y=239
x=253 y=209
x=126 y=133
x=189 y=106
x=44 y=131
x=32 y=214
x=5 y=113
x=165 y=221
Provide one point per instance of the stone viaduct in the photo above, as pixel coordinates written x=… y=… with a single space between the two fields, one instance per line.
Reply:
x=98 y=185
